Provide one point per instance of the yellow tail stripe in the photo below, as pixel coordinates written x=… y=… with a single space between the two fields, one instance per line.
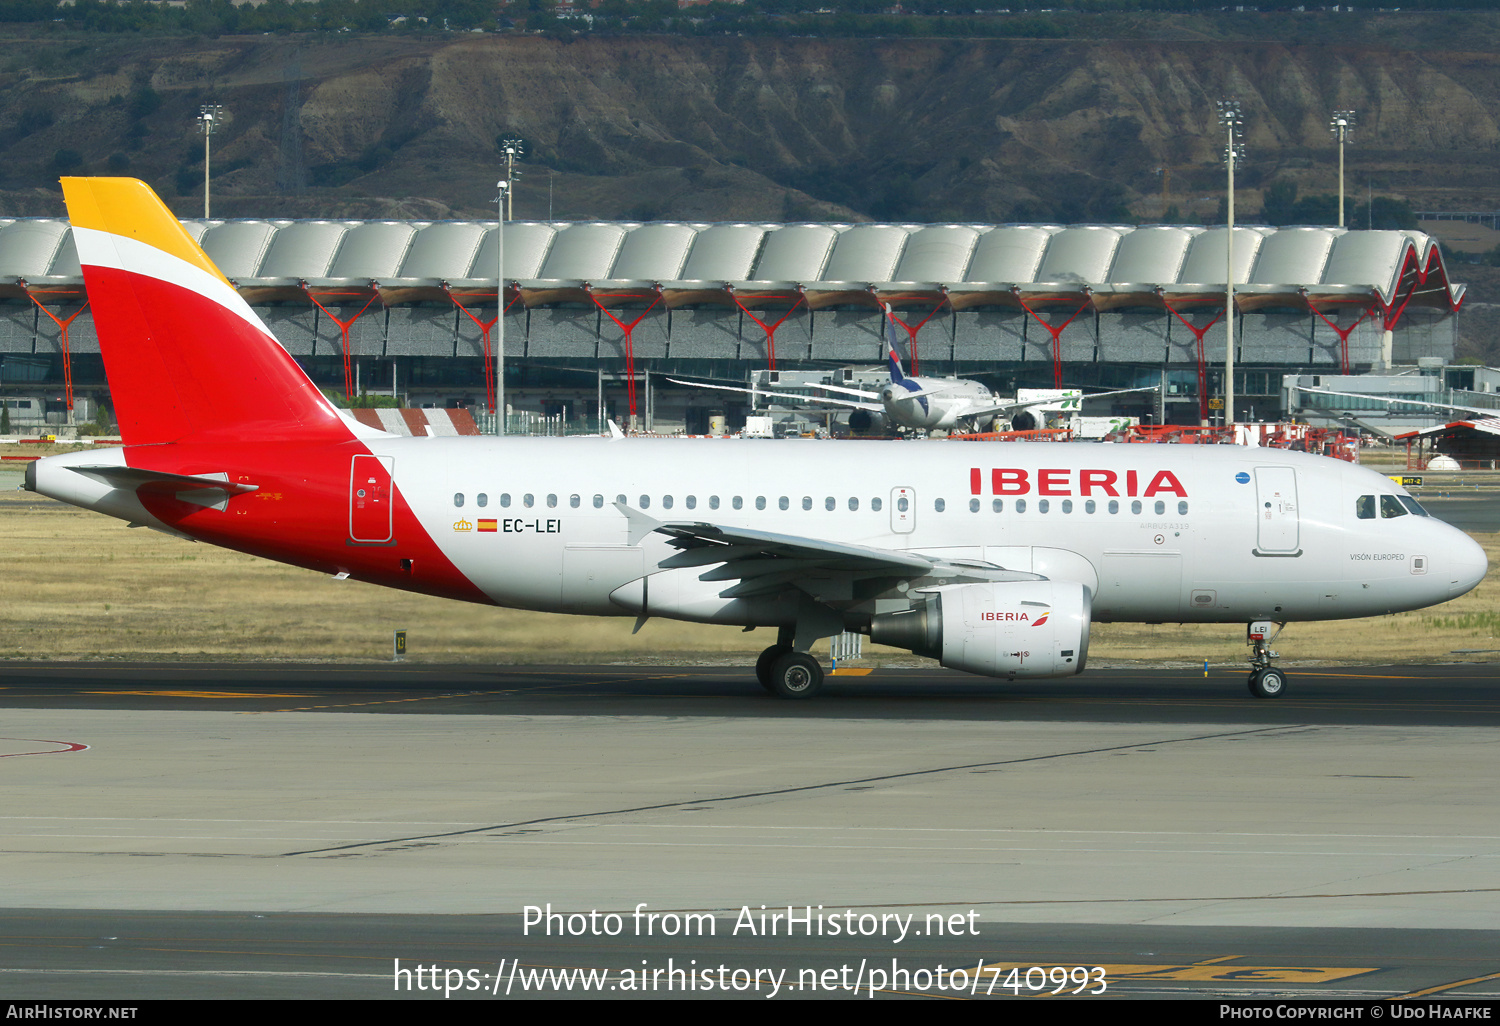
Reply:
x=128 y=208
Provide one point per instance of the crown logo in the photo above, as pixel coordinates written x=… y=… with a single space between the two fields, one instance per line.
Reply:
x=462 y=525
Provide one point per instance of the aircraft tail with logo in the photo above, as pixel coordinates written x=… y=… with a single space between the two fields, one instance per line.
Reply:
x=897 y=377
x=187 y=359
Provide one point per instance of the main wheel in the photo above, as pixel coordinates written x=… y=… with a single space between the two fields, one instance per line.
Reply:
x=766 y=661
x=1267 y=683
x=796 y=675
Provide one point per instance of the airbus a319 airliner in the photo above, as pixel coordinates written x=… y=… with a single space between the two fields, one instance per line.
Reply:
x=993 y=558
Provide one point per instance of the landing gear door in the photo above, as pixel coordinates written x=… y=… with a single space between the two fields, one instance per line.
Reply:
x=1276 y=515
x=370 y=499
x=903 y=510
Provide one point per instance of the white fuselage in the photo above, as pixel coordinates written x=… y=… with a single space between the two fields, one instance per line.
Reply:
x=1228 y=534
x=941 y=405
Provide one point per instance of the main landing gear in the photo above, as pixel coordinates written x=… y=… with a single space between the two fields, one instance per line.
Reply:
x=787 y=673
x=1266 y=681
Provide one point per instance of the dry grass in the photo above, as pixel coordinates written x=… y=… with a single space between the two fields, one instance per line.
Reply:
x=83 y=586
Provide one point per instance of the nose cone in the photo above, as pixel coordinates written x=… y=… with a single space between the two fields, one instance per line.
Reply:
x=1464 y=564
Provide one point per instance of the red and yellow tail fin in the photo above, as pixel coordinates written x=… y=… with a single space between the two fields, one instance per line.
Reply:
x=187 y=358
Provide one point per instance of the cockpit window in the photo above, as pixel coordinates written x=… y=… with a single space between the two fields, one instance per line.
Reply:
x=1364 y=507
x=1413 y=505
x=1390 y=506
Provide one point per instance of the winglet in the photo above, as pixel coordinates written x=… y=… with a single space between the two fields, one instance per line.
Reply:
x=185 y=355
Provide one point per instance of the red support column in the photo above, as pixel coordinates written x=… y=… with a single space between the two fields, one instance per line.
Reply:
x=1198 y=334
x=1056 y=332
x=344 y=326
x=911 y=333
x=770 y=330
x=484 y=330
x=629 y=330
x=62 y=341
x=1342 y=333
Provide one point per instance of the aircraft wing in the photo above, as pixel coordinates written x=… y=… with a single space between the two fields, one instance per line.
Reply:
x=763 y=562
x=808 y=399
x=1009 y=408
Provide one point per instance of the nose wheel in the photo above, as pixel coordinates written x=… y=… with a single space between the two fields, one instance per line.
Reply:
x=1266 y=681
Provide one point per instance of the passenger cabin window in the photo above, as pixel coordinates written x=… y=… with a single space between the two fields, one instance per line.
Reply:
x=973 y=505
x=692 y=502
x=998 y=505
x=528 y=500
x=645 y=502
x=458 y=498
x=575 y=501
x=853 y=505
x=760 y=502
x=666 y=502
x=482 y=499
x=939 y=505
x=598 y=502
x=713 y=502
x=807 y=502
x=505 y=499
x=551 y=501
x=875 y=504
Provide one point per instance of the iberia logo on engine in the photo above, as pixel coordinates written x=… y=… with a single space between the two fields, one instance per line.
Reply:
x=1018 y=617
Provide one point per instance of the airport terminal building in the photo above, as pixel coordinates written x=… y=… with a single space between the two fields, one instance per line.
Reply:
x=599 y=314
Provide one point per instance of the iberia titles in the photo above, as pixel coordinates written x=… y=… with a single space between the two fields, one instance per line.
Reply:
x=1065 y=481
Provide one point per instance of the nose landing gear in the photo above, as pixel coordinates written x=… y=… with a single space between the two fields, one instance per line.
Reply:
x=1266 y=681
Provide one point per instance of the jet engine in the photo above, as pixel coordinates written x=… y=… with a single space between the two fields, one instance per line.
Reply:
x=1015 y=629
x=867 y=422
x=1023 y=421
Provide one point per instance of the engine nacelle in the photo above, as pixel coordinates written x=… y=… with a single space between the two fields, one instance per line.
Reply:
x=867 y=422
x=1017 y=629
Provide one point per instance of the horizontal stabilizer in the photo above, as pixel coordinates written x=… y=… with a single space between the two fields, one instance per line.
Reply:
x=212 y=490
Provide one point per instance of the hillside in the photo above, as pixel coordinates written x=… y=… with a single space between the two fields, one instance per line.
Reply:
x=744 y=128
x=664 y=126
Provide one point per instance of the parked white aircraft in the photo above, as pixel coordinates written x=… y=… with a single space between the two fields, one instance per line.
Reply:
x=992 y=558
x=918 y=403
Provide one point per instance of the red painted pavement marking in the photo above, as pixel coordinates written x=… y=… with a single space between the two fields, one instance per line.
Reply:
x=67 y=746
